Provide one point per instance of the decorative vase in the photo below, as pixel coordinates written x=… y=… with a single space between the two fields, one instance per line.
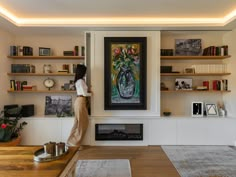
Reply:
x=125 y=83
x=13 y=142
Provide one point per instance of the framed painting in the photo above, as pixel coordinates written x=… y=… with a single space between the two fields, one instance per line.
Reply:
x=125 y=73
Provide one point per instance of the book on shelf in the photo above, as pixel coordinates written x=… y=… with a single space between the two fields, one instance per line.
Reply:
x=220 y=85
x=29 y=87
x=21 y=50
x=215 y=51
x=210 y=68
x=17 y=85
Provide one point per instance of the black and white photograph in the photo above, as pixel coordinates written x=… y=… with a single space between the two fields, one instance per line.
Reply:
x=197 y=109
x=188 y=47
x=58 y=105
x=183 y=84
x=211 y=109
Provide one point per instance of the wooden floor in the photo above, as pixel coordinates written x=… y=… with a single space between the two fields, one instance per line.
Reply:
x=146 y=161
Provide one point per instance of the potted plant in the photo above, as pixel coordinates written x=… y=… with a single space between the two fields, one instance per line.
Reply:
x=10 y=128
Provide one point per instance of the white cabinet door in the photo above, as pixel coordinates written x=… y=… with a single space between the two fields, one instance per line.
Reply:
x=206 y=131
x=41 y=130
x=162 y=132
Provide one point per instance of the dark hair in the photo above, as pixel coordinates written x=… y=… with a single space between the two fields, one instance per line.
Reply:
x=80 y=72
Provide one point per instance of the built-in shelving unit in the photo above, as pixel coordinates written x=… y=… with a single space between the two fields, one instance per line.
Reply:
x=198 y=91
x=194 y=57
x=41 y=91
x=40 y=74
x=195 y=74
x=47 y=57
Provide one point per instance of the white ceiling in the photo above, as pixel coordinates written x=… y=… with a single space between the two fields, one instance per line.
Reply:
x=200 y=14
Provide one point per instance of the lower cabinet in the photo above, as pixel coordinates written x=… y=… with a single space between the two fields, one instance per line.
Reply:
x=157 y=131
x=42 y=130
x=192 y=131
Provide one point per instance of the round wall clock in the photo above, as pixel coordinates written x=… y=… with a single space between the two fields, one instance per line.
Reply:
x=49 y=83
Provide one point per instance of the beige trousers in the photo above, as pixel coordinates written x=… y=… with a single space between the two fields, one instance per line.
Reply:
x=80 y=123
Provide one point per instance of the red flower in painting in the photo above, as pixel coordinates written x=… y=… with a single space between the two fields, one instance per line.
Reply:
x=3 y=126
x=117 y=51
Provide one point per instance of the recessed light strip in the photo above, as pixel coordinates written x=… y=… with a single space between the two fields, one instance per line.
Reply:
x=117 y=21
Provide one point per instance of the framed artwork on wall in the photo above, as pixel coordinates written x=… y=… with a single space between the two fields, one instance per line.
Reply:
x=211 y=110
x=125 y=73
x=188 y=47
x=60 y=106
x=197 y=109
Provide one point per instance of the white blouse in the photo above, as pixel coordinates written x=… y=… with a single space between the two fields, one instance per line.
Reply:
x=82 y=88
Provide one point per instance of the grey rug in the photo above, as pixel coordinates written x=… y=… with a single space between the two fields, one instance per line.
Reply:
x=103 y=168
x=203 y=161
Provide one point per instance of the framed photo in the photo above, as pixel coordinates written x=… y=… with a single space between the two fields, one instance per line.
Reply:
x=58 y=105
x=183 y=84
x=125 y=73
x=189 y=70
x=197 y=109
x=44 y=51
x=188 y=47
x=211 y=109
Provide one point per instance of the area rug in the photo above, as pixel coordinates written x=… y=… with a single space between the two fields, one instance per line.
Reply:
x=103 y=168
x=203 y=161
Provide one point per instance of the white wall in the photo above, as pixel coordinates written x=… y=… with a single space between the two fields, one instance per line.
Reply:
x=7 y=39
x=153 y=73
x=230 y=98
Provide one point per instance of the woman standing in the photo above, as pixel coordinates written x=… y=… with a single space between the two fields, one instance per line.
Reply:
x=80 y=108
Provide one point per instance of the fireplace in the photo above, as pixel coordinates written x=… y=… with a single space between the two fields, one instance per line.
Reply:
x=118 y=132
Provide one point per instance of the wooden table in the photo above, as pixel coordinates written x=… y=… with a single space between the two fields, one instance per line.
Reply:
x=19 y=162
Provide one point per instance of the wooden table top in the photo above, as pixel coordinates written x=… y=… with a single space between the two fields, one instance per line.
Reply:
x=19 y=162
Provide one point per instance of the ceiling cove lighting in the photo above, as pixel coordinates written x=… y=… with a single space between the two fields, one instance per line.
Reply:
x=135 y=21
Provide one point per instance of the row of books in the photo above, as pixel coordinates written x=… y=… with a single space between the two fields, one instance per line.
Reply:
x=21 y=85
x=78 y=51
x=22 y=68
x=216 y=51
x=21 y=51
x=210 y=68
x=216 y=85
x=68 y=68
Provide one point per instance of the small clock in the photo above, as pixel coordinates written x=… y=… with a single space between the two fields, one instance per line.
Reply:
x=49 y=83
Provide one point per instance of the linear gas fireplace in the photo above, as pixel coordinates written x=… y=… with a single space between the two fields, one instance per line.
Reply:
x=118 y=132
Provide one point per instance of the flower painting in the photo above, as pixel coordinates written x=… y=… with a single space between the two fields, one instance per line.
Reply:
x=125 y=73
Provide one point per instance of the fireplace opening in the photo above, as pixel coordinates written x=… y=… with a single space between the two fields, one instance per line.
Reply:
x=118 y=132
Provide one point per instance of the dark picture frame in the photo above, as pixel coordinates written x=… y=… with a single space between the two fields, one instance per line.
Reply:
x=197 y=109
x=188 y=47
x=60 y=106
x=43 y=51
x=125 y=73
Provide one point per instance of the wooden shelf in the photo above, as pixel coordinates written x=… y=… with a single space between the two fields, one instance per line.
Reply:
x=184 y=91
x=194 y=57
x=47 y=57
x=195 y=74
x=42 y=91
x=40 y=74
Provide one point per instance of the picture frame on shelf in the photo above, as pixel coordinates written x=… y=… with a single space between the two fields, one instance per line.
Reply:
x=211 y=110
x=43 y=51
x=197 y=109
x=183 y=84
x=188 y=47
x=125 y=73
x=189 y=70
x=58 y=105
